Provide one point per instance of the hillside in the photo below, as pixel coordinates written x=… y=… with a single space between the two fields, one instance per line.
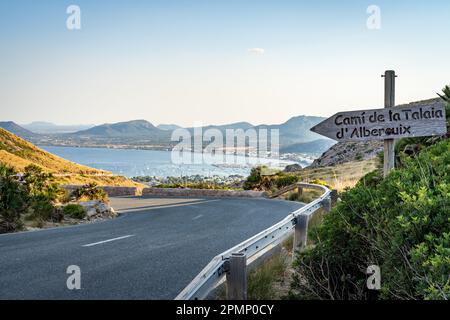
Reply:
x=19 y=153
x=317 y=146
x=296 y=130
x=340 y=176
x=344 y=152
x=122 y=129
x=167 y=127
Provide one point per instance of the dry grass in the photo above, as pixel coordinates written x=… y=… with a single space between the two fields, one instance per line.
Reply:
x=263 y=281
x=19 y=153
x=112 y=181
x=340 y=176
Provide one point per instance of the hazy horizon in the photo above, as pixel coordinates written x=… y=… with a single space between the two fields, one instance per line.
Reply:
x=219 y=62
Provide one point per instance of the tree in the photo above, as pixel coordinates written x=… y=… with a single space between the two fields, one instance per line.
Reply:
x=40 y=183
x=13 y=200
x=446 y=95
x=42 y=190
x=446 y=98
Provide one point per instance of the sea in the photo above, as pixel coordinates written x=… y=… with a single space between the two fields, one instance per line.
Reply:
x=133 y=163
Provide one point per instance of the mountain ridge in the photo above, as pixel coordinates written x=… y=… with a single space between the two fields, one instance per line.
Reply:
x=143 y=134
x=16 y=129
x=44 y=127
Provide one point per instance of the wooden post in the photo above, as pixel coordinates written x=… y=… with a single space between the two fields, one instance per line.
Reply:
x=389 y=102
x=300 y=232
x=237 y=277
x=300 y=190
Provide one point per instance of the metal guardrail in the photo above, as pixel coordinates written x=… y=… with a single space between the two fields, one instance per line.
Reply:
x=225 y=263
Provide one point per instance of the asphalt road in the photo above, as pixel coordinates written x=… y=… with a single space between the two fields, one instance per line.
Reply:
x=152 y=251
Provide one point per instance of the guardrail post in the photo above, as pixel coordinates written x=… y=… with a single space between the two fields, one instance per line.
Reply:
x=300 y=232
x=237 y=277
x=334 y=197
x=300 y=190
x=331 y=201
x=327 y=204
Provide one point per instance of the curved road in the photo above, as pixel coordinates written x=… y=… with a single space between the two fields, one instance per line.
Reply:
x=152 y=251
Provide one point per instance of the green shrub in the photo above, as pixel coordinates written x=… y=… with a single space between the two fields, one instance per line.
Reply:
x=274 y=181
x=90 y=192
x=74 y=211
x=41 y=207
x=401 y=223
x=41 y=184
x=13 y=200
x=286 y=180
x=257 y=180
x=446 y=97
x=43 y=192
x=194 y=185
x=293 y=196
x=320 y=182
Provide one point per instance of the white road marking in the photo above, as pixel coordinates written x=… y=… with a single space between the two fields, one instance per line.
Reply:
x=197 y=217
x=109 y=240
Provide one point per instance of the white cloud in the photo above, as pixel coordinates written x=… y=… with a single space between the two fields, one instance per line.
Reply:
x=256 y=51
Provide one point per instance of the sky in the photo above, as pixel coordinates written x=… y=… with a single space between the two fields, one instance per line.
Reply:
x=216 y=61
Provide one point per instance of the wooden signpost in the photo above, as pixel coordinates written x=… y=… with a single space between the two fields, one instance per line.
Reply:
x=385 y=124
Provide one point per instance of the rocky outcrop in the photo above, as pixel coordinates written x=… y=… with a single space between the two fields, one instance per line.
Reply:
x=292 y=168
x=343 y=152
x=97 y=210
x=110 y=191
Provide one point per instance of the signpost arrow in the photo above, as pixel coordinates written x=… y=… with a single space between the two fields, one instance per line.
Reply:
x=386 y=123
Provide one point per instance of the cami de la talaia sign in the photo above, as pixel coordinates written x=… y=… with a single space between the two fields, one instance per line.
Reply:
x=386 y=123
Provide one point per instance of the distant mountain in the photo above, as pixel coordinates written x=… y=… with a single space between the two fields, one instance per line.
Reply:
x=168 y=127
x=295 y=130
x=17 y=130
x=51 y=128
x=135 y=128
x=316 y=146
x=224 y=127
x=143 y=134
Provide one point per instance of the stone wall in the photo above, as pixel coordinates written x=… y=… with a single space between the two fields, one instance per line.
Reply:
x=168 y=192
x=111 y=191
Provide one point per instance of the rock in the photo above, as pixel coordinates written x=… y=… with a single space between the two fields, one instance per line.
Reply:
x=90 y=212
x=293 y=168
x=98 y=209
x=343 y=152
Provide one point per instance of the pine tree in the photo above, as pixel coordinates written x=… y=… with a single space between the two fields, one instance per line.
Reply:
x=446 y=95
